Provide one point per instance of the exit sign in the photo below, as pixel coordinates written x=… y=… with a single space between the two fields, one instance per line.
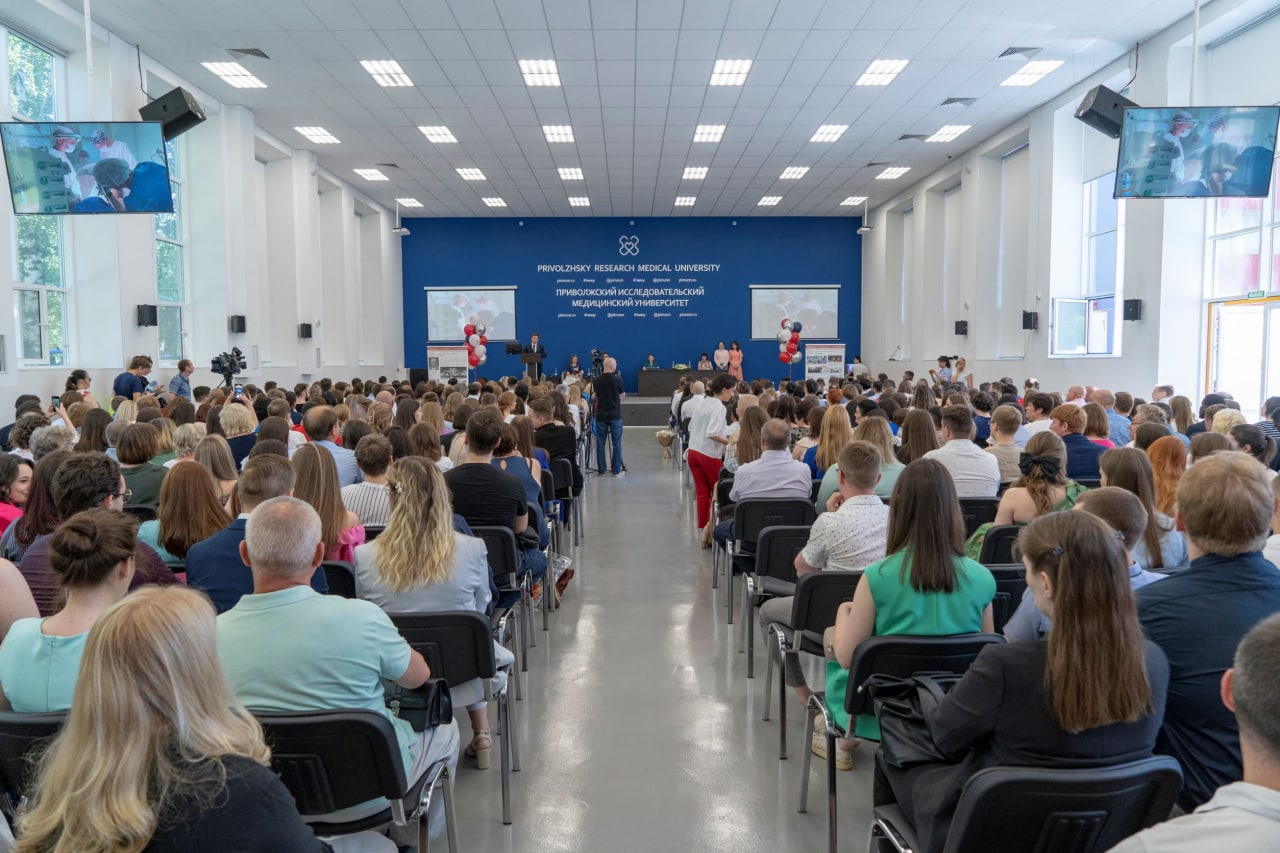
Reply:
x=1256 y=294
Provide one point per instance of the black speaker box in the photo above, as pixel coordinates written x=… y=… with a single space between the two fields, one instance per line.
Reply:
x=304 y=330
x=418 y=374
x=1103 y=110
x=236 y=324
x=1030 y=320
x=147 y=316
x=177 y=111
x=962 y=327
x=1133 y=309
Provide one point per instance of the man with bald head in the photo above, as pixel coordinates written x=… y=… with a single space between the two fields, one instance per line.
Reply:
x=1075 y=396
x=774 y=475
x=1117 y=424
x=608 y=399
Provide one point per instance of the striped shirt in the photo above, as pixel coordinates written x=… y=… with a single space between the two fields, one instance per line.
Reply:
x=369 y=501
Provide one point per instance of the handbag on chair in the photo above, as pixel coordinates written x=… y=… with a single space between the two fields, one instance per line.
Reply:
x=424 y=707
x=903 y=706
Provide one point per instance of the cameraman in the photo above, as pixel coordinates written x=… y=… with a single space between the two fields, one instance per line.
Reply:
x=608 y=396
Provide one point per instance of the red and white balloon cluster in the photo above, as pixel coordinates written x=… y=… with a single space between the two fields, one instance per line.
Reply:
x=789 y=342
x=477 y=344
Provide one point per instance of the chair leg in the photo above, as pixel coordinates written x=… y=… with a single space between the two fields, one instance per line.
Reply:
x=526 y=620
x=504 y=723
x=716 y=554
x=810 y=718
x=782 y=698
x=728 y=578
x=546 y=600
x=515 y=740
x=768 y=672
x=831 y=790
x=744 y=616
x=577 y=521
x=439 y=776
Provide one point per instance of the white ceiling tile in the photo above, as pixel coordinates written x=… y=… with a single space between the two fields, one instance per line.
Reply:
x=476 y=14
x=403 y=45
x=521 y=15
x=489 y=45
x=616 y=73
x=613 y=14
x=615 y=44
x=447 y=44
x=700 y=45
x=577 y=73
x=657 y=44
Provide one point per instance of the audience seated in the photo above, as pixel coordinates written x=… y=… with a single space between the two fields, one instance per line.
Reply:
x=1005 y=422
x=317 y=484
x=189 y=512
x=1093 y=694
x=876 y=431
x=744 y=446
x=975 y=473
x=286 y=648
x=320 y=423
x=917 y=435
x=774 y=475
x=1168 y=463
x=1199 y=615
x=368 y=499
x=15 y=485
x=834 y=433
x=214 y=454
x=557 y=439
x=508 y=458
x=142 y=477
x=1161 y=546
x=1068 y=422
x=1038 y=407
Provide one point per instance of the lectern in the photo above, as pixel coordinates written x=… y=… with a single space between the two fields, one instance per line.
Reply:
x=533 y=364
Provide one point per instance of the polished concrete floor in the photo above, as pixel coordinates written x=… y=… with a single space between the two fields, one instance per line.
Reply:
x=639 y=728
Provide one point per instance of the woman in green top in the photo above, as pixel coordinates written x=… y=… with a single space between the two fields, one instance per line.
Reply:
x=924 y=587
x=1043 y=488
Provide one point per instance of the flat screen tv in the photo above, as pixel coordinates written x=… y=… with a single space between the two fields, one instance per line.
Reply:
x=86 y=167
x=1196 y=152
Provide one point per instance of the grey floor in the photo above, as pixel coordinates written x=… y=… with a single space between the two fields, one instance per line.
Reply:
x=639 y=728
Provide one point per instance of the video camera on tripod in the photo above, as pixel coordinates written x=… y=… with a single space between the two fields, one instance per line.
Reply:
x=228 y=364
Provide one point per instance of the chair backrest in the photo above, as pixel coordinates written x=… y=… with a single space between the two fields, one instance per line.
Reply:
x=904 y=656
x=373 y=531
x=1080 y=810
x=723 y=487
x=814 y=489
x=1089 y=484
x=332 y=760
x=977 y=512
x=1011 y=582
x=818 y=597
x=548 y=486
x=725 y=474
x=341 y=577
x=997 y=546
x=457 y=644
x=562 y=474
x=752 y=515
x=22 y=737
x=776 y=551
x=500 y=544
x=142 y=512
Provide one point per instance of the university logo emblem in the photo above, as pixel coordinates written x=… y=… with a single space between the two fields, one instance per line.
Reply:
x=629 y=245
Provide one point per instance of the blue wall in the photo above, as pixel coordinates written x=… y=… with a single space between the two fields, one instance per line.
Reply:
x=543 y=257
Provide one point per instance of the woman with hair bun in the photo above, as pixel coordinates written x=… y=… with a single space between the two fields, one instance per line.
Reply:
x=1250 y=439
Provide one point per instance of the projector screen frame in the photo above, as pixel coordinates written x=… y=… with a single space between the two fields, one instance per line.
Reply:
x=493 y=332
x=808 y=334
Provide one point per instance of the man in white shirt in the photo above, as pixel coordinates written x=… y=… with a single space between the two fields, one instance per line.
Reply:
x=1242 y=815
x=1038 y=406
x=774 y=475
x=976 y=473
x=707 y=427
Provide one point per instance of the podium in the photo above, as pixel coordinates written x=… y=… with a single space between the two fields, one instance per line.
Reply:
x=533 y=364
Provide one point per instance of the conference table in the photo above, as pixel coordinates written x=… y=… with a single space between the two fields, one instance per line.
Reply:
x=663 y=383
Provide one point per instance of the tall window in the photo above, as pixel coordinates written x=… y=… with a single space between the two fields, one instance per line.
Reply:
x=1088 y=325
x=171 y=287
x=39 y=276
x=1244 y=245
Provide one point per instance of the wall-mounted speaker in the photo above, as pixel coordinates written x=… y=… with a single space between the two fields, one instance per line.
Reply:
x=147 y=316
x=1133 y=309
x=177 y=112
x=236 y=324
x=962 y=327
x=1103 y=110
x=304 y=330
x=1030 y=320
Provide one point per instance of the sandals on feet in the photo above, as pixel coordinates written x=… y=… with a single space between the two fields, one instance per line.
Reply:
x=479 y=748
x=844 y=757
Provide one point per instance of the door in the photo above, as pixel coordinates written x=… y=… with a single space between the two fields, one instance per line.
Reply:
x=1244 y=355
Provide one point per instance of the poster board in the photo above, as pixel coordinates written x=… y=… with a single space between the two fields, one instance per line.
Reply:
x=445 y=363
x=825 y=362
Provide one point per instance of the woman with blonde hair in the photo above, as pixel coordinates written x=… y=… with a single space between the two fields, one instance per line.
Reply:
x=175 y=762
x=876 y=431
x=451 y=404
x=164 y=442
x=1168 y=463
x=318 y=485
x=379 y=417
x=1224 y=420
x=421 y=565
x=185 y=440
x=836 y=432
x=215 y=455
x=126 y=412
x=238 y=423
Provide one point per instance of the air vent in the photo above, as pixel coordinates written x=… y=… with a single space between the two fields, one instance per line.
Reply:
x=388 y=165
x=242 y=52
x=915 y=136
x=876 y=165
x=961 y=102
x=1020 y=52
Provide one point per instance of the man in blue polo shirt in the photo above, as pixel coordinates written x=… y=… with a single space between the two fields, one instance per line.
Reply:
x=1199 y=615
x=1117 y=424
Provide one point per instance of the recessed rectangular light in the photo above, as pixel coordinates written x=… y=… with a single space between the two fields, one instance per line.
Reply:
x=730 y=72
x=409 y=202
x=708 y=133
x=540 y=72
x=685 y=200
x=769 y=201
x=579 y=201
x=234 y=74
x=829 y=133
x=1033 y=72
x=882 y=72
x=893 y=173
x=854 y=200
x=558 y=132
x=318 y=135
x=494 y=202
x=438 y=133
x=948 y=132
x=371 y=175
x=694 y=173
x=470 y=174
x=793 y=173
x=386 y=72
x=570 y=173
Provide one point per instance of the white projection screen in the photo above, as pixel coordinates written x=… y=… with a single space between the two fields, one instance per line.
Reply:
x=816 y=306
x=449 y=309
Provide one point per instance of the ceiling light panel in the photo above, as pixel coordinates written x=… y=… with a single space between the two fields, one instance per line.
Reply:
x=579 y=201
x=694 y=173
x=829 y=133
x=470 y=174
x=793 y=173
x=234 y=74
x=948 y=133
x=439 y=134
x=1033 y=72
x=409 y=202
x=386 y=72
x=318 y=135
x=769 y=201
x=730 y=72
x=571 y=173
x=371 y=174
x=882 y=72
x=893 y=173
x=558 y=132
x=494 y=202
x=685 y=200
x=540 y=72
x=708 y=133
x=853 y=201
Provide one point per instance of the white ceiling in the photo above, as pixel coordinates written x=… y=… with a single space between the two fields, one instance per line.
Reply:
x=634 y=76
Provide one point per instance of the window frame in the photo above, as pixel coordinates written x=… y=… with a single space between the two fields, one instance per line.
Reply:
x=179 y=244
x=1094 y=190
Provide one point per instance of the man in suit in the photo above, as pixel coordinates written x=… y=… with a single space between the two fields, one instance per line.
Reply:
x=320 y=425
x=215 y=565
x=535 y=346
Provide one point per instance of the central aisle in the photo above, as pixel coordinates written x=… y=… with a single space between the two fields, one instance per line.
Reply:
x=639 y=728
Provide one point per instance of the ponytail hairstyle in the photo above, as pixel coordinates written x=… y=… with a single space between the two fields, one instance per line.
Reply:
x=1261 y=446
x=1042 y=448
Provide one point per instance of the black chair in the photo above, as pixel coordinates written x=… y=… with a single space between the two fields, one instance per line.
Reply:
x=1011 y=583
x=551 y=509
x=775 y=575
x=751 y=516
x=818 y=597
x=977 y=512
x=813 y=491
x=997 y=545
x=1081 y=810
x=341 y=577
x=458 y=648
x=331 y=760
x=142 y=512
x=888 y=655
x=721 y=510
x=373 y=531
x=562 y=475
x=21 y=737
x=504 y=568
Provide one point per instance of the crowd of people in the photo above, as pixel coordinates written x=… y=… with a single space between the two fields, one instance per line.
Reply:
x=1150 y=542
